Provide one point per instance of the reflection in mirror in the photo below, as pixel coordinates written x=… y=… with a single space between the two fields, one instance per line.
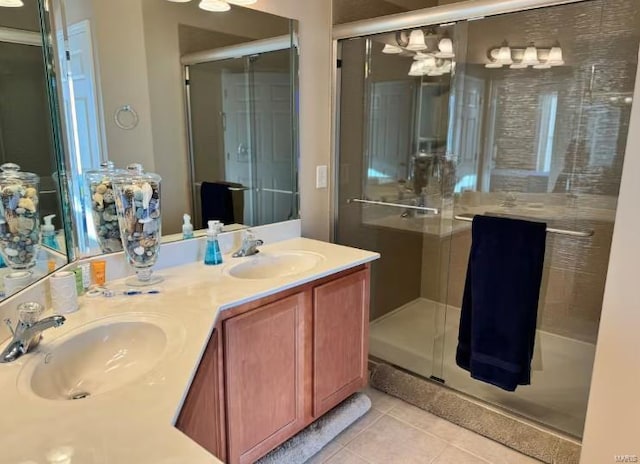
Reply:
x=204 y=99
x=248 y=162
x=32 y=239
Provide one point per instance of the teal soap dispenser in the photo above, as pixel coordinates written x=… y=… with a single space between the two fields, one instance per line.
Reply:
x=212 y=254
x=49 y=233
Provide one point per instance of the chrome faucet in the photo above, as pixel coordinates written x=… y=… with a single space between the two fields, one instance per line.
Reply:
x=249 y=245
x=28 y=332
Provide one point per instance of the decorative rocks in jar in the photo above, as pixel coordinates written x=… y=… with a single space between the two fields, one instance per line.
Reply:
x=103 y=206
x=138 y=206
x=19 y=217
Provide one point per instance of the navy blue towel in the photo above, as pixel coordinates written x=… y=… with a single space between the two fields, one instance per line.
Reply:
x=500 y=302
x=216 y=201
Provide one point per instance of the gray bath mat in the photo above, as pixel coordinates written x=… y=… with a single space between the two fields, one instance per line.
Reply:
x=311 y=440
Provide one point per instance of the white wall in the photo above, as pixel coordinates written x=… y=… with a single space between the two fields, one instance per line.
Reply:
x=613 y=415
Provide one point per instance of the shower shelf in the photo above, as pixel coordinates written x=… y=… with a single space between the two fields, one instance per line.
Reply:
x=395 y=205
x=551 y=230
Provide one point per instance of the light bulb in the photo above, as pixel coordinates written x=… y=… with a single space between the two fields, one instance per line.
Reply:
x=214 y=5
x=416 y=41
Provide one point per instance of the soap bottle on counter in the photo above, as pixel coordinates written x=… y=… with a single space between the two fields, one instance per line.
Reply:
x=212 y=254
x=49 y=233
x=187 y=227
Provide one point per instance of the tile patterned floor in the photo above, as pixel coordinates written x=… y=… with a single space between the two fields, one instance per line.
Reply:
x=394 y=432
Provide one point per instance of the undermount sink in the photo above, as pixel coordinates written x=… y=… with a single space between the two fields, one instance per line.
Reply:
x=275 y=264
x=100 y=357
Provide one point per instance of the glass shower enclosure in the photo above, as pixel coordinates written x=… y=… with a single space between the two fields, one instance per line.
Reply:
x=522 y=115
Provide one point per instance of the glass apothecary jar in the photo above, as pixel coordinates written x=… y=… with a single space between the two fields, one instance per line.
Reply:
x=138 y=205
x=103 y=206
x=19 y=217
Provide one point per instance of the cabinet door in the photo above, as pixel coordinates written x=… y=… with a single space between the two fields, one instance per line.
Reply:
x=265 y=351
x=202 y=415
x=340 y=339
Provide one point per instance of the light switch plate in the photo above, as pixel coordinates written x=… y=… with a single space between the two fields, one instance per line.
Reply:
x=321 y=177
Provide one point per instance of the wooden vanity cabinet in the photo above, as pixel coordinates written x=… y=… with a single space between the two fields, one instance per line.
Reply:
x=275 y=365
x=340 y=339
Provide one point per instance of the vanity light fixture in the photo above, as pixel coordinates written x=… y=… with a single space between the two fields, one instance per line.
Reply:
x=522 y=58
x=11 y=3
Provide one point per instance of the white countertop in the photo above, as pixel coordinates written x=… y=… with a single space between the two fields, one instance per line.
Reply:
x=135 y=423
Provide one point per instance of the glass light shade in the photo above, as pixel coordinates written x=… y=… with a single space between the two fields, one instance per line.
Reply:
x=493 y=65
x=542 y=66
x=11 y=3
x=446 y=48
x=416 y=41
x=416 y=69
x=504 y=55
x=214 y=5
x=421 y=56
x=391 y=49
x=519 y=66
x=555 y=57
x=242 y=2
x=429 y=62
x=530 y=57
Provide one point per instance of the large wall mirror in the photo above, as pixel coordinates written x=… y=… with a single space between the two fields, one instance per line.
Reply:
x=205 y=99
x=29 y=182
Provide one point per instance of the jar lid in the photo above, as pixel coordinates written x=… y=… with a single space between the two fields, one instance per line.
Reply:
x=107 y=170
x=135 y=174
x=11 y=173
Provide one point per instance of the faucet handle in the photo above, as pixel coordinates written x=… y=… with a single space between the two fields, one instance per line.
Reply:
x=30 y=312
x=249 y=235
x=9 y=324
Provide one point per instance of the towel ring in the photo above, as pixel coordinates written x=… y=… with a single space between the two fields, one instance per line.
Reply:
x=126 y=117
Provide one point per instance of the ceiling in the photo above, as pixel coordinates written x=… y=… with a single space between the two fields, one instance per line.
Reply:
x=25 y=18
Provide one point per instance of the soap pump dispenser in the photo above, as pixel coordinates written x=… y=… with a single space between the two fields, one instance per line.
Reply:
x=213 y=255
x=187 y=227
x=49 y=233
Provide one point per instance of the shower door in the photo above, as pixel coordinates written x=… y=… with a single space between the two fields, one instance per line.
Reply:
x=544 y=144
x=539 y=136
x=393 y=160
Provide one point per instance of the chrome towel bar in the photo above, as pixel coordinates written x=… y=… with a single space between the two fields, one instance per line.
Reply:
x=395 y=205
x=551 y=230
